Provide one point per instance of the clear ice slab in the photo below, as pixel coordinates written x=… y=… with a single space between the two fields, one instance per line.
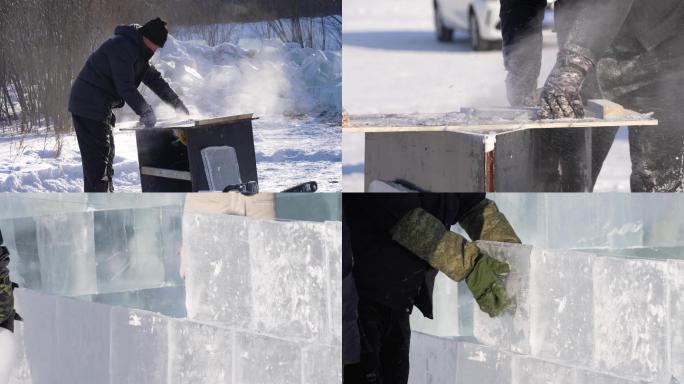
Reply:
x=530 y=370
x=445 y=321
x=262 y=359
x=676 y=282
x=200 y=353
x=477 y=363
x=511 y=330
x=432 y=359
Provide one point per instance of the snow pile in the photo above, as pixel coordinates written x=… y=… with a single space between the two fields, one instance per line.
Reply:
x=265 y=77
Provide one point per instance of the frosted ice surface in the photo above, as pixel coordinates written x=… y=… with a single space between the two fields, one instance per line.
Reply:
x=630 y=317
x=199 y=354
x=66 y=248
x=332 y=233
x=39 y=332
x=169 y=301
x=445 y=321
x=529 y=370
x=21 y=373
x=322 y=364
x=481 y=364
x=25 y=260
x=511 y=330
x=139 y=352
x=217 y=269
x=676 y=278
x=592 y=377
x=83 y=340
x=262 y=359
x=432 y=359
x=289 y=278
x=561 y=306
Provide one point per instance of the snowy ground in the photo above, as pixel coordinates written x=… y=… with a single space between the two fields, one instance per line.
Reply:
x=392 y=63
x=296 y=93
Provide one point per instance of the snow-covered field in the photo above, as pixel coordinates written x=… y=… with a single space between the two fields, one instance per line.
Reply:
x=394 y=64
x=296 y=93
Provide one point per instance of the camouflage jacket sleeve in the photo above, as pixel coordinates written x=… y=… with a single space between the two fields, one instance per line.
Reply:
x=6 y=297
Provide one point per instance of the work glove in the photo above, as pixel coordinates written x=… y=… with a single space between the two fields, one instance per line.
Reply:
x=178 y=105
x=450 y=253
x=484 y=221
x=560 y=96
x=148 y=118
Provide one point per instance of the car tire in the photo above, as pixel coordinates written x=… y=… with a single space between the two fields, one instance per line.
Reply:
x=476 y=42
x=444 y=34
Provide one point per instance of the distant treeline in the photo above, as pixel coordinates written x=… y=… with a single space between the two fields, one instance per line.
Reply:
x=45 y=43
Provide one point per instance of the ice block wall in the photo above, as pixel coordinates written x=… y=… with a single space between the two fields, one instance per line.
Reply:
x=95 y=252
x=581 y=316
x=278 y=282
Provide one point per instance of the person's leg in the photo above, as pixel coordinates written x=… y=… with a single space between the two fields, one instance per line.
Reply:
x=373 y=319
x=8 y=346
x=395 y=349
x=545 y=160
x=94 y=139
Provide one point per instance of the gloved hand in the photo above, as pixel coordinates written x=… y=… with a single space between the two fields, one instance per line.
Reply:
x=561 y=94
x=484 y=281
x=148 y=118
x=178 y=105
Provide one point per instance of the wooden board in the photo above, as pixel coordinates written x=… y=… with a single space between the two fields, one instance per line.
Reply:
x=187 y=123
x=600 y=113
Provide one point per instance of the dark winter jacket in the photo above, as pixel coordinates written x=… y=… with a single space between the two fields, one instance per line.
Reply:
x=112 y=74
x=384 y=271
x=7 y=314
x=626 y=27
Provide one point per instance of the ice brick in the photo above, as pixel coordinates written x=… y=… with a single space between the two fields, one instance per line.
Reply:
x=322 y=364
x=39 y=333
x=66 y=251
x=676 y=283
x=529 y=370
x=139 y=352
x=332 y=236
x=445 y=320
x=21 y=373
x=432 y=359
x=217 y=268
x=169 y=301
x=289 y=278
x=200 y=353
x=561 y=306
x=25 y=260
x=511 y=330
x=262 y=359
x=630 y=317
x=128 y=249
x=481 y=364
x=593 y=377
x=83 y=339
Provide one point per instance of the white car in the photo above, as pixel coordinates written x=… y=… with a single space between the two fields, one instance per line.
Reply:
x=480 y=18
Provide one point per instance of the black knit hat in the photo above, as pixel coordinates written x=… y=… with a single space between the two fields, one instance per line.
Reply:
x=156 y=31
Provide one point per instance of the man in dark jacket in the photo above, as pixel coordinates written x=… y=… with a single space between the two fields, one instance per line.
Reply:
x=626 y=50
x=110 y=77
x=7 y=313
x=399 y=243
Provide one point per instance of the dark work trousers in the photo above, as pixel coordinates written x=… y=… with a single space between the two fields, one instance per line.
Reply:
x=96 y=142
x=385 y=341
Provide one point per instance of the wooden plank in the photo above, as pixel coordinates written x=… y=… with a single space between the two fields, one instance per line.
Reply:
x=166 y=173
x=225 y=119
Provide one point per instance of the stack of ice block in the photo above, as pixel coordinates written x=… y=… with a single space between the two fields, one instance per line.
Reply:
x=95 y=252
x=579 y=318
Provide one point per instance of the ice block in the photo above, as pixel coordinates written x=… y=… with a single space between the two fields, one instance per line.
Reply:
x=631 y=317
x=561 y=306
x=445 y=321
x=322 y=364
x=139 y=352
x=432 y=359
x=676 y=283
x=39 y=333
x=199 y=353
x=477 y=363
x=530 y=370
x=511 y=330
x=262 y=359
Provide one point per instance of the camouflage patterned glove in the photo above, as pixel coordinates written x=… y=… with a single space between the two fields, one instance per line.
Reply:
x=484 y=281
x=426 y=237
x=485 y=222
x=561 y=94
